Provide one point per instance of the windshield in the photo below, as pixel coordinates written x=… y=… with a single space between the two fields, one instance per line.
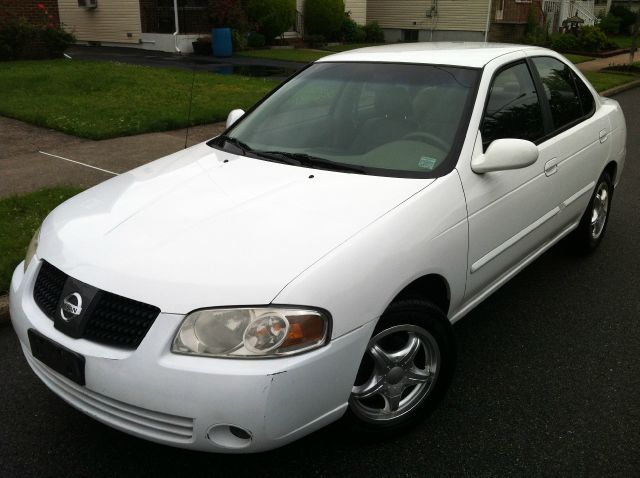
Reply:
x=378 y=118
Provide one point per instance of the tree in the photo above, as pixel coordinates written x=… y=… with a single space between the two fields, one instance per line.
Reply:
x=271 y=17
x=324 y=17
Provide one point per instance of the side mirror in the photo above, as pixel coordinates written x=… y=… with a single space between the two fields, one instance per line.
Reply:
x=234 y=116
x=506 y=153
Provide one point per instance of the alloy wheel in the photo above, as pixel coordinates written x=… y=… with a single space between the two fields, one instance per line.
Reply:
x=600 y=210
x=398 y=372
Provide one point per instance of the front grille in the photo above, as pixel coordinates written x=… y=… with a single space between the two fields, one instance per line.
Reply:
x=48 y=288
x=115 y=320
x=120 y=321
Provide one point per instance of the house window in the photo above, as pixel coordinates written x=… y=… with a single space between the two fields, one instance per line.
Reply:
x=409 y=36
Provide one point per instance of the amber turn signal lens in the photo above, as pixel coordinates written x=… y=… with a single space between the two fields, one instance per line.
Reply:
x=304 y=329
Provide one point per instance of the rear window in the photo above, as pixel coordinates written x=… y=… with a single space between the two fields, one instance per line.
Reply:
x=560 y=89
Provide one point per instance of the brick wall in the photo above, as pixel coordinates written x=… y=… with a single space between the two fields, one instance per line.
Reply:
x=506 y=32
x=28 y=9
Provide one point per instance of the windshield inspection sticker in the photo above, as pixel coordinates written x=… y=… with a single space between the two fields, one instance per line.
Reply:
x=427 y=163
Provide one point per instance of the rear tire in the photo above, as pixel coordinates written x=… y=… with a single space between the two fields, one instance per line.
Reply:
x=593 y=225
x=406 y=370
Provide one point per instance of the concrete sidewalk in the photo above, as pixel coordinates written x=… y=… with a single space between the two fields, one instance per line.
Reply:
x=600 y=63
x=24 y=167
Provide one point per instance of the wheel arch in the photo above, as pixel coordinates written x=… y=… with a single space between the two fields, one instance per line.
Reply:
x=612 y=169
x=430 y=287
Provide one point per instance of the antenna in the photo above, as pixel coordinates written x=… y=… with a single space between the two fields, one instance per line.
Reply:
x=193 y=79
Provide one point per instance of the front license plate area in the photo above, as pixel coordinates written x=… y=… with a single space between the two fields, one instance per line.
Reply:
x=57 y=357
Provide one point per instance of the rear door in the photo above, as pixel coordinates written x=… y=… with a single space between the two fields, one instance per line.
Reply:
x=579 y=135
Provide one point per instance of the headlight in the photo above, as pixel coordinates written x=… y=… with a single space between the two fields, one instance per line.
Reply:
x=31 y=250
x=251 y=332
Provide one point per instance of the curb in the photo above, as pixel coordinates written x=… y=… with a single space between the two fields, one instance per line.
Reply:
x=4 y=310
x=621 y=88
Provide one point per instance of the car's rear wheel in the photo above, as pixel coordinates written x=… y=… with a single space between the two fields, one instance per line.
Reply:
x=593 y=224
x=406 y=369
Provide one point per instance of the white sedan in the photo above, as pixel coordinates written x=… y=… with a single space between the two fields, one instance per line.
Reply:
x=308 y=264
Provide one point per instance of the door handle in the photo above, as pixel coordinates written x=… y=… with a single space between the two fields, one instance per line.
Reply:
x=551 y=166
x=603 y=135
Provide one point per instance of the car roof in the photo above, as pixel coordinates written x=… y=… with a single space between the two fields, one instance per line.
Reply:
x=469 y=54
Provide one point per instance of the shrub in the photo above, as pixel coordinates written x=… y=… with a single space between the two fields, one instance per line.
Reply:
x=564 y=42
x=228 y=13
x=626 y=16
x=324 y=17
x=373 y=32
x=271 y=17
x=315 y=41
x=238 y=40
x=610 y=24
x=593 y=39
x=350 y=31
x=56 y=41
x=21 y=40
x=256 y=40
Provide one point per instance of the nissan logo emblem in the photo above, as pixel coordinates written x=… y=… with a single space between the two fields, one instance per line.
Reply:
x=71 y=307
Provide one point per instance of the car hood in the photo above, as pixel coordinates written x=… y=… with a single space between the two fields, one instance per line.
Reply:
x=206 y=228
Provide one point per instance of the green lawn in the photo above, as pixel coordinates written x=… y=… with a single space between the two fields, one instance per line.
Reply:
x=100 y=100
x=20 y=216
x=623 y=41
x=605 y=80
x=575 y=59
x=349 y=46
x=300 y=55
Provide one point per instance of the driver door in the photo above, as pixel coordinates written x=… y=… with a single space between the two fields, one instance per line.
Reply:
x=511 y=213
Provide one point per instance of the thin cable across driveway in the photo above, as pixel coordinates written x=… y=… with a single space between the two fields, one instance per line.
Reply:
x=78 y=162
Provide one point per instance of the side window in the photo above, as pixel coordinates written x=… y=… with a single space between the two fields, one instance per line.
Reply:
x=586 y=97
x=513 y=109
x=560 y=89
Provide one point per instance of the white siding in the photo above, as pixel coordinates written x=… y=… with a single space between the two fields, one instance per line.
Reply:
x=358 y=9
x=466 y=15
x=111 y=21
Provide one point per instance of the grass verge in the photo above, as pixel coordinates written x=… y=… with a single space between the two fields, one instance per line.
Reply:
x=575 y=59
x=99 y=100
x=300 y=55
x=602 y=81
x=20 y=216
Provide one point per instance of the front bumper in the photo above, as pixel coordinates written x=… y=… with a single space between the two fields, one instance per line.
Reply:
x=190 y=402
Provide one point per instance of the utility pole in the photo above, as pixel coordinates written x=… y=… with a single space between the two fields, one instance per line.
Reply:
x=634 y=38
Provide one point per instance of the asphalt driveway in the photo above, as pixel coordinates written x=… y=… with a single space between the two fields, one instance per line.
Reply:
x=548 y=384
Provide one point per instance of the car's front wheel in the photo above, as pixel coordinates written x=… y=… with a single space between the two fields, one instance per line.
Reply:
x=406 y=369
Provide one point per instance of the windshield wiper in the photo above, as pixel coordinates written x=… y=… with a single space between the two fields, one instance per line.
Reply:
x=295 y=159
x=303 y=159
x=223 y=139
x=246 y=150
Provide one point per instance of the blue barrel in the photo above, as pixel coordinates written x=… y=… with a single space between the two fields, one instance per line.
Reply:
x=221 y=42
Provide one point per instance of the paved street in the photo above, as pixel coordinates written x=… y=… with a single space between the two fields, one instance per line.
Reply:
x=548 y=384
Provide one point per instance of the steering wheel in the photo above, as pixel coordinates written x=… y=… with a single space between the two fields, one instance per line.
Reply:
x=429 y=139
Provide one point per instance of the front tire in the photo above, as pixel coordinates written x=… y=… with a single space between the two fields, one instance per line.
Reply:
x=406 y=370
